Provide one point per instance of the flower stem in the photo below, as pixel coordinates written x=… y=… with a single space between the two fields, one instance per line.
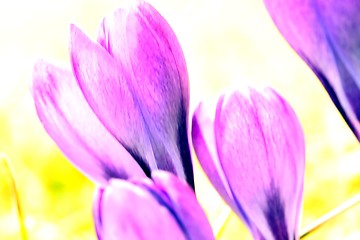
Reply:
x=5 y=164
x=328 y=216
x=221 y=221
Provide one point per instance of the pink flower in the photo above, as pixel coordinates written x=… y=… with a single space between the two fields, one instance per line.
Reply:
x=162 y=208
x=253 y=153
x=122 y=110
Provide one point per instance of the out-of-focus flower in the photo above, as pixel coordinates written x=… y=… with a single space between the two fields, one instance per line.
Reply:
x=253 y=153
x=162 y=208
x=122 y=111
x=326 y=34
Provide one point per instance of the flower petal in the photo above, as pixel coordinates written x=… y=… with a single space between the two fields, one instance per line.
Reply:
x=129 y=212
x=261 y=150
x=69 y=120
x=158 y=80
x=326 y=35
x=185 y=205
x=341 y=22
x=203 y=136
x=285 y=147
x=104 y=85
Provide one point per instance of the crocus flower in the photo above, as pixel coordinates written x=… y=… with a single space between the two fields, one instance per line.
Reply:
x=122 y=110
x=162 y=208
x=253 y=153
x=326 y=34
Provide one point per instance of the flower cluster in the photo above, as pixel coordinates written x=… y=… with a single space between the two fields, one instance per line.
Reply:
x=121 y=116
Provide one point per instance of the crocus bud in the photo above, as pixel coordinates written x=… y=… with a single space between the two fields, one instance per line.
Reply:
x=326 y=34
x=252 y=151
x=122 y=111
x=162 y=208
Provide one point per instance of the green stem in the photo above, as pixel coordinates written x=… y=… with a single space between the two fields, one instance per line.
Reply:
x=330 y=215
x=6 y=165
x=221 y=221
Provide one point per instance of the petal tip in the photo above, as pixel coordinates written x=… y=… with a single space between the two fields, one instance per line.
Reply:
x=77 y=38
x=40 y=75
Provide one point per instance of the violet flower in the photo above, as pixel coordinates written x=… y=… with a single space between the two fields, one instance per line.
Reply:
x=253 y=153
x=162 y=208
x=326 y=34
x=122 y=110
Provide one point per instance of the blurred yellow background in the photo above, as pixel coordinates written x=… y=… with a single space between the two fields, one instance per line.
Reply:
x=227 y=44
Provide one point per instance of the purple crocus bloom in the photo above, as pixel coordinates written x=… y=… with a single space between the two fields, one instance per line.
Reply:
x=253 y=153
x=122 y=110
x=162 y=208
x=326 y=34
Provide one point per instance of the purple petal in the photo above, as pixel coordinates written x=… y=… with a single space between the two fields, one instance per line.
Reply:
x=203 y=136
x=129 y=212
x=158 y=80
x=326 y=35
x=261 y=149
x=341 y=21
x=69 y=120
x=185 y=205
x=104 y=85
x=285 y=146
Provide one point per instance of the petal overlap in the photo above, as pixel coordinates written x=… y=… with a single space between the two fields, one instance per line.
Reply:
x=134 y=83
x=160 y=87
x=105 y=88
x=70 y=121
